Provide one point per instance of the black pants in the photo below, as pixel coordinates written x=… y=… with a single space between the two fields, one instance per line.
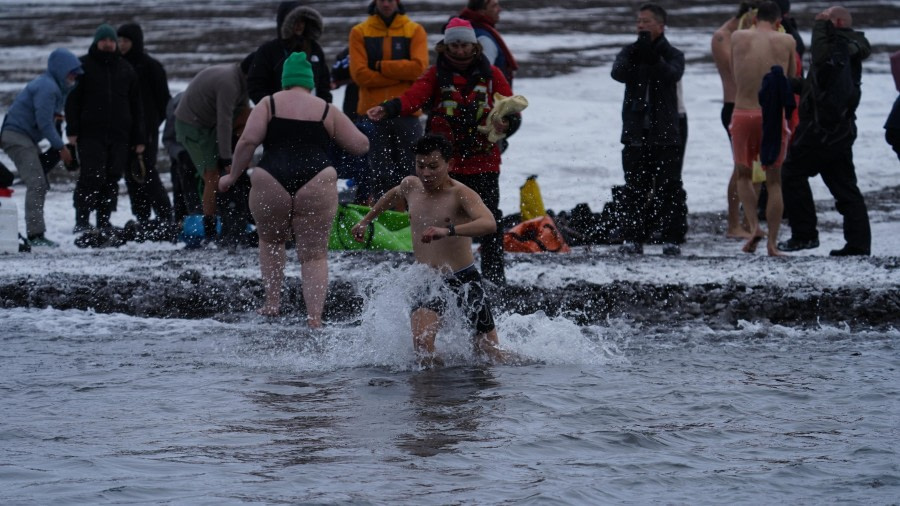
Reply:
x=97 y=189
x=145 y=188
x=654 y=200
x=234 y=210
x=487 y=186
x=185 y=187
x=835 y=164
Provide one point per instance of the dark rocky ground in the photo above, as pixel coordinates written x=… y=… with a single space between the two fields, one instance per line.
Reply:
x=188 y=284
x=184 y=292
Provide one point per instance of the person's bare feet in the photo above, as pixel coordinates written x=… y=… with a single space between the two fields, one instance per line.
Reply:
x=738 y=233
x=752 y=243
x=773 y=250
x=430 y=361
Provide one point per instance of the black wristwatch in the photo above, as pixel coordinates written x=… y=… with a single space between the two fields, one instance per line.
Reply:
x=452 y=230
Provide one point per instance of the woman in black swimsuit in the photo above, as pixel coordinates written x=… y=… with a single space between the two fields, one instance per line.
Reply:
x=294 y=189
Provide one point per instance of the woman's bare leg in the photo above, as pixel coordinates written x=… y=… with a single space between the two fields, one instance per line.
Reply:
x=315 y=205
x=271 y=264
x=270 y=206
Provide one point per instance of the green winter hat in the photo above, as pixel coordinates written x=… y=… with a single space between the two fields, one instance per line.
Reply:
x=297 y=72
x=105 y=31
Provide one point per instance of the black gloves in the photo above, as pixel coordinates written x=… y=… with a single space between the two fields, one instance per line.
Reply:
x=392 y=107
x=643 y=49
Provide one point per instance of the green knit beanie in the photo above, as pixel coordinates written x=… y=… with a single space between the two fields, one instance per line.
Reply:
x=105 y=31
x=297 y=72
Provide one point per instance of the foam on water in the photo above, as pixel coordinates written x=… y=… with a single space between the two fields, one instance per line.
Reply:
x=382 y=336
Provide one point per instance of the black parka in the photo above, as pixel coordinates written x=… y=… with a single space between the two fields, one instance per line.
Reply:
x=152 y=79
x=651 y=96
x=106 y=103
x=264 y=77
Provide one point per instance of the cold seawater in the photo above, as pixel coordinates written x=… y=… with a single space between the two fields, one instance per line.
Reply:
x=102 y=407
x=99 y=408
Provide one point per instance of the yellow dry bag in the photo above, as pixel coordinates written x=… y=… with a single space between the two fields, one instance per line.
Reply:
x=531 y=205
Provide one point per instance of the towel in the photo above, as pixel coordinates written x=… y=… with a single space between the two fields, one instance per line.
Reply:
x=503 y=106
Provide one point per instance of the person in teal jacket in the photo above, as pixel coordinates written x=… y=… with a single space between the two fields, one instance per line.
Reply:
x=32 y=118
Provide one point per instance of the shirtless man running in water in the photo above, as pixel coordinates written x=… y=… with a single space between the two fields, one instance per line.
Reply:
x=753 y=54
x=444 y=215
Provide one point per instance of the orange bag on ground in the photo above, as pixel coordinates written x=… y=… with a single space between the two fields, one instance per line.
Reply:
x=536 y=235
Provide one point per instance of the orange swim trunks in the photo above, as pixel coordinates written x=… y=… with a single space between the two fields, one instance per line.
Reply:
x=746 y=137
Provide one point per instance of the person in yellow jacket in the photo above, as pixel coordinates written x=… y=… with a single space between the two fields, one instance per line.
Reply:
x=388 y=52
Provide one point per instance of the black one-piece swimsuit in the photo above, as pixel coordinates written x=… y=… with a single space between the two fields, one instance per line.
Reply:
x=294 y=151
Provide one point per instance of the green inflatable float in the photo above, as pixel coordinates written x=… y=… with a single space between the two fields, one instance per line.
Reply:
x=390 y=232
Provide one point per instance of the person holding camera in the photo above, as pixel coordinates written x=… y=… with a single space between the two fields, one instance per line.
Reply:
x=32 y=118
x=650 y=68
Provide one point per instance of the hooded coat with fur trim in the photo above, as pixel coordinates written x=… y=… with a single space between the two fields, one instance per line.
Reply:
x=264 y=77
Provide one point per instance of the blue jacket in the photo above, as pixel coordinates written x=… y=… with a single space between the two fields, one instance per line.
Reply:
x=32 y=112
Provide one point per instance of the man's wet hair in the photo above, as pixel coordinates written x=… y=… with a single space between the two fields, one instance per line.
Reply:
x=658 y=12
x=431 y=143
x=477 y=5
x=768 y=11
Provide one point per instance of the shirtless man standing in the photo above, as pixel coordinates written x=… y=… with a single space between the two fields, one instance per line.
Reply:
x=753 y=54
x=721 y=53
x=444 y=214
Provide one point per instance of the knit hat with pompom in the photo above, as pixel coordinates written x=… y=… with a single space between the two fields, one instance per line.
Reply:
x=459 y=30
